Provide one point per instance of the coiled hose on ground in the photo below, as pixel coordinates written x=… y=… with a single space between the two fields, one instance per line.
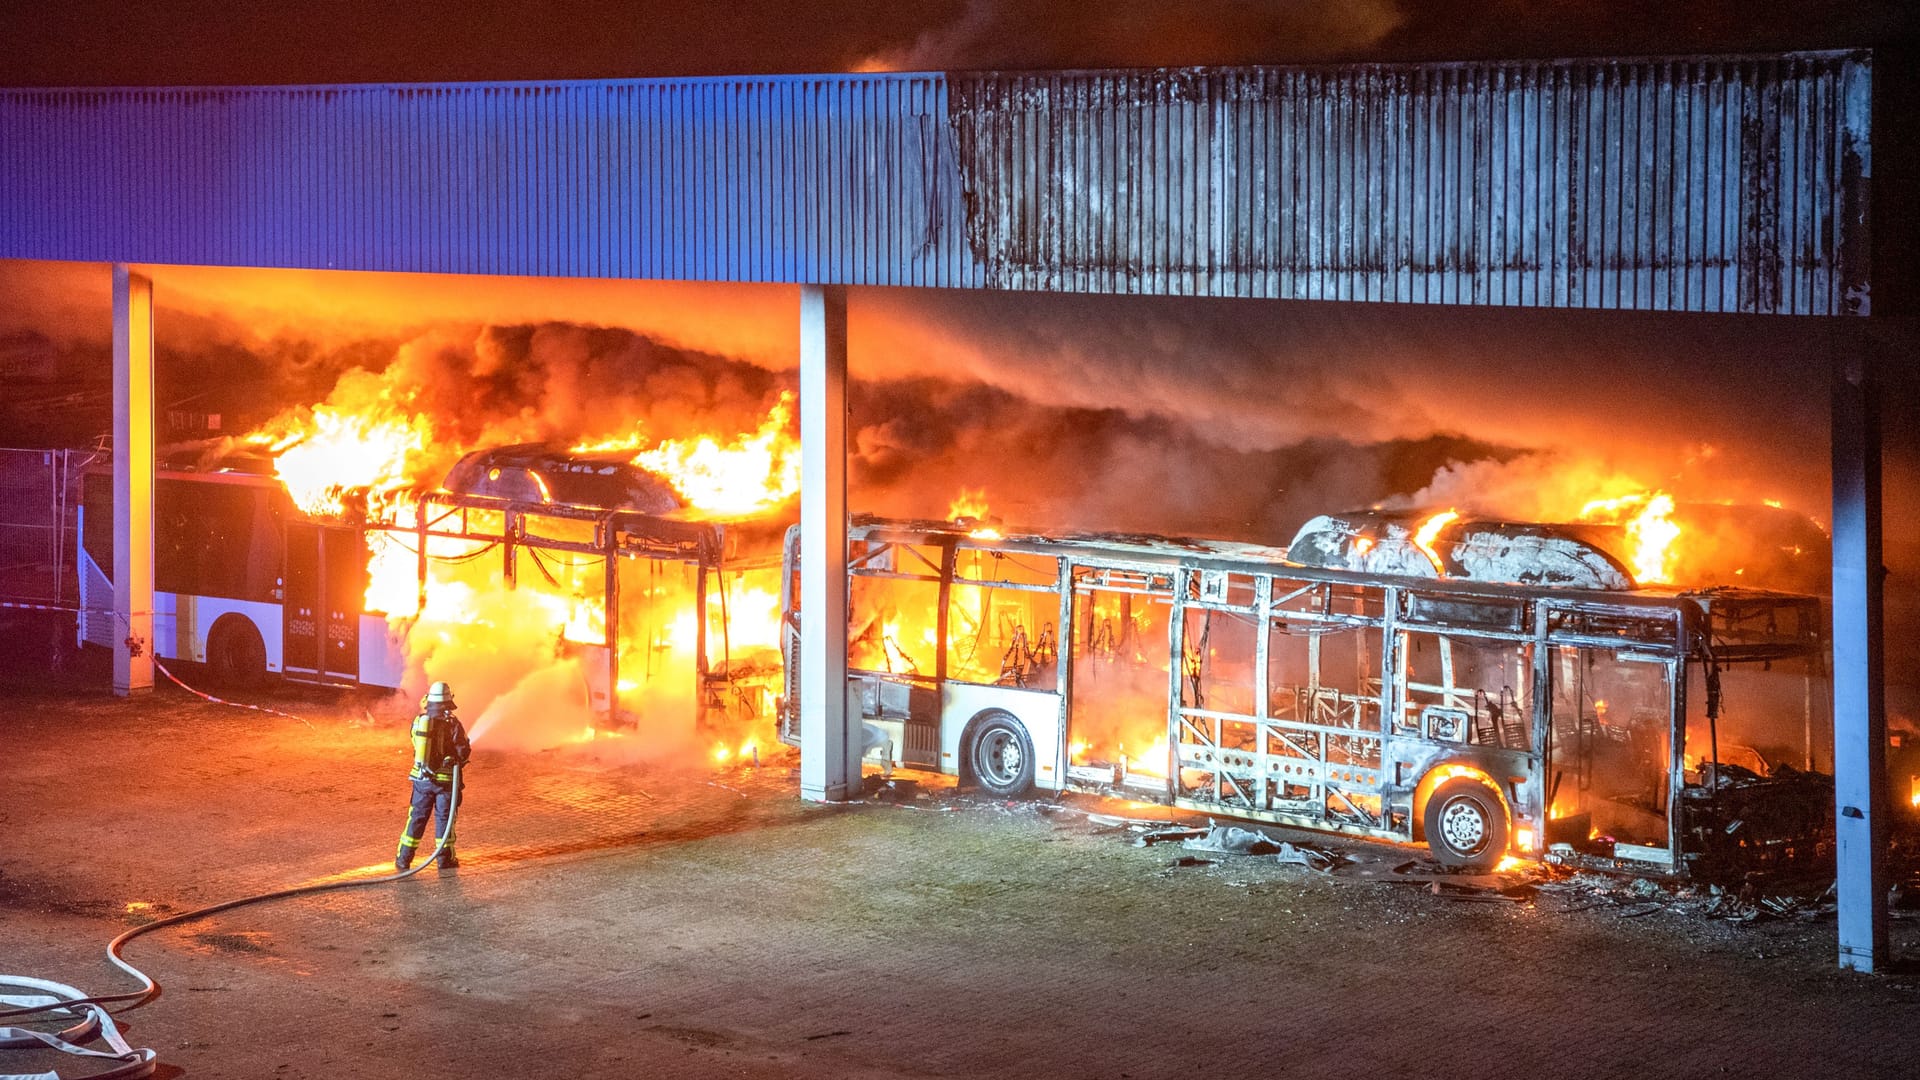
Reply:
x=56 y=1002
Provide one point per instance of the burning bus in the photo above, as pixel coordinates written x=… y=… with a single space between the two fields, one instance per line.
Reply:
x=1489 y=689
x=354 y=585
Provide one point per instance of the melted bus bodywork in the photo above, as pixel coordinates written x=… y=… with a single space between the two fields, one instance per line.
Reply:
x=1484 y=719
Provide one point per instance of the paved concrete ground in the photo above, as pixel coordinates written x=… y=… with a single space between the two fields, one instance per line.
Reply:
x=622 y=920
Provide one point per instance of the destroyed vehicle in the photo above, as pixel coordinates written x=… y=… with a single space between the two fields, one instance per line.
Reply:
x=1483 y=718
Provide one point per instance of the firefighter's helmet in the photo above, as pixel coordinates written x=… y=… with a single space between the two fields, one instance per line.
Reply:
x=439 y=694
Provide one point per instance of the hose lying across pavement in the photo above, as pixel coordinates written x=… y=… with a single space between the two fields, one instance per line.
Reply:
x=92 y=1021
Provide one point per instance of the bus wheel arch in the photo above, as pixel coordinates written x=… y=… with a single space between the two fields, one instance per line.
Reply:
x=236 y=653
x=997 y=753
x=1464 y=818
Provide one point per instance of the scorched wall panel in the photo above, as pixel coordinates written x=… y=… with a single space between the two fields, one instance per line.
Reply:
x=1700 y=184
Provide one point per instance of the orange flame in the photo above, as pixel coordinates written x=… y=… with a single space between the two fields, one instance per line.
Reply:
x=1430 y=531
x=755 y=473
x=337 y=453
x=970 y=508
x=746 y=753
x=1648 y=518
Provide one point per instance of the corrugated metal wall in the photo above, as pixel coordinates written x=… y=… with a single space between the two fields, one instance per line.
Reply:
x=832 y=179
x=1728 y=184
x=1734 y=184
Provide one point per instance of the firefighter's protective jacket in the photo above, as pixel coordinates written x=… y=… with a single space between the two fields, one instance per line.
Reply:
x=439 y=743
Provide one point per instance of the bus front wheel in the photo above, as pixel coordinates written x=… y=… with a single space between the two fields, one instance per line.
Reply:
x=1000 y=754
x=235 y=654
x=1466 y=825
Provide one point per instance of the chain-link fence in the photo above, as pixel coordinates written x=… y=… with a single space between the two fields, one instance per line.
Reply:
x=38 y=493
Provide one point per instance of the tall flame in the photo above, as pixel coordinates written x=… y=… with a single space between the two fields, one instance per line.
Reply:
x=339 y=452
x=1648 y=518
x=753 y=474
x=1430 y=531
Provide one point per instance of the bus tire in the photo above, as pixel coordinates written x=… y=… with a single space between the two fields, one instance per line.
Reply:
x=999 y=753
x=236 y=656
x=1466 y=825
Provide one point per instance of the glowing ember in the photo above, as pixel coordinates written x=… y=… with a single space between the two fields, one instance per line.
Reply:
x=971 y=509
x=1430 y=531
x=1648 y=518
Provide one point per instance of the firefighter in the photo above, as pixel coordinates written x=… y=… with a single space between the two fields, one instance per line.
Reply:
x=439 y=744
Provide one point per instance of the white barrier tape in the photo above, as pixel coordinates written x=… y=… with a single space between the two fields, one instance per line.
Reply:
x=163 y=670
x=22 y=606
x=204 y=696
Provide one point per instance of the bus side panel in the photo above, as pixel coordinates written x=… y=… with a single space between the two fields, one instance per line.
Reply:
x=182 y=625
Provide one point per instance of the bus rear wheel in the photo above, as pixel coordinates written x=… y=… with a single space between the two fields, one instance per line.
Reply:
x=235 y=654
x=1000 y=754
x=1466 y=825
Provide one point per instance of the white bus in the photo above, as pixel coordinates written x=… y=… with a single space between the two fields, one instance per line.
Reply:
x=243 y=582
x=250 y=586
x=1615 y=727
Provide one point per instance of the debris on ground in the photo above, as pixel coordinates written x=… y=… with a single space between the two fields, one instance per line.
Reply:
x=1232 y=840
x=1311 y=858
x=895 y=790
x=1161 y=836
x=1481 y=894
x=1191 y=860
x=1641 y=897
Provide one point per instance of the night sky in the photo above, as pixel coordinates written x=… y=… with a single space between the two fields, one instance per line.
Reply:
x=91 y=42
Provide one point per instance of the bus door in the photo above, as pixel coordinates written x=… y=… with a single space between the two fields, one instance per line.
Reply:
x=1001 y=657
x=325 y=588
x=1608 y=768
x=1121 y=659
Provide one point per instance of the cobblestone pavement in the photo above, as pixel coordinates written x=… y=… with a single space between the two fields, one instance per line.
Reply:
x=619 y=919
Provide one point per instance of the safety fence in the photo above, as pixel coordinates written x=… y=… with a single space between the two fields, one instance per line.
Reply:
x=39 y=493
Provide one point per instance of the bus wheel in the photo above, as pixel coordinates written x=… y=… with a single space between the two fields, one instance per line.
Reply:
x=1000 y=754
x=1466 y=825
x=235 y=654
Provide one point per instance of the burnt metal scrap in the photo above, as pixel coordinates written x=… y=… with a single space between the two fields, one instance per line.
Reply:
x=1739 y=822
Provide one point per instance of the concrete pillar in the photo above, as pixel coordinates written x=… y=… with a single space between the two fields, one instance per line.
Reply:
x=1859 y=704
x=132 y=482
x=829 y=737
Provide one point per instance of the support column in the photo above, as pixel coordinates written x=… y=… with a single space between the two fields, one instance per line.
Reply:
x=132 y=482
x=1859 y=704
x=829 y=737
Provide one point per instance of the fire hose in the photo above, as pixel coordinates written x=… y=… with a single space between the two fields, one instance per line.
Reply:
x=90 y=1018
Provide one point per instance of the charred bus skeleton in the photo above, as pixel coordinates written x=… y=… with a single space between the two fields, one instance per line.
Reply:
x=1620 y=726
